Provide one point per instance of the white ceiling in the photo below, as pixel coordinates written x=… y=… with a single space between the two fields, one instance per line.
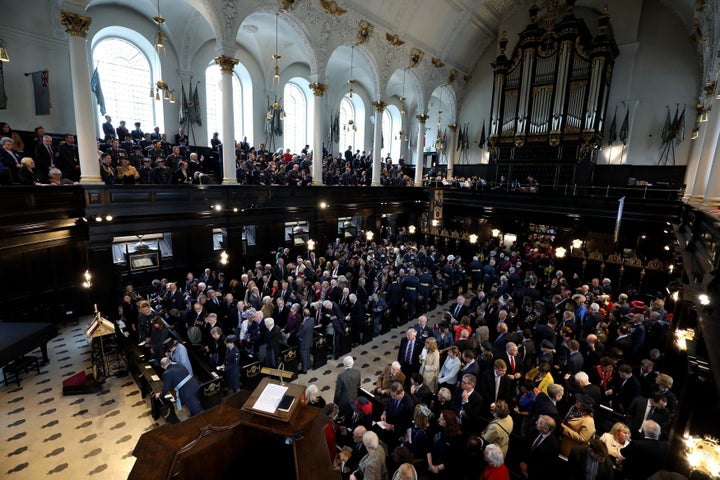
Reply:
x=456 y=31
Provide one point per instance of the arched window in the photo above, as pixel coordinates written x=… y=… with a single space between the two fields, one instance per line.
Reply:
x=295 y=128
x=392 y=124
x=213 y=95
x=126 y=83
x=347 y=130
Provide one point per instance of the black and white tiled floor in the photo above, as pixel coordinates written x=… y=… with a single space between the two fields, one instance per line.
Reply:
x=44 y=434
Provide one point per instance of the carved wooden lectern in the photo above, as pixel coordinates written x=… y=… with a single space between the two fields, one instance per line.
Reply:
x=235 y=438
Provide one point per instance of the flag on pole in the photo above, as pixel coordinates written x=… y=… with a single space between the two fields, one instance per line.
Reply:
x=41 y=87
x=460 y=139
x=483 y=139
x=3 y=97
x=667 y=127
x=612 y=134
x=183 y=119
x=623 y=135
x=680 y=128
x=196 y=106
x=97 y=90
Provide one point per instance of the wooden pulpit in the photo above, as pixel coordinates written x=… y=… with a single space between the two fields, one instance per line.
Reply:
x=234 y=438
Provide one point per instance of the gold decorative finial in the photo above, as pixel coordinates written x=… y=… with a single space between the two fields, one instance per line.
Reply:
x=437 y=62
x=365 y=29
x=415 y=57
x=394 y=39
x=332 y=8
x=452 y=75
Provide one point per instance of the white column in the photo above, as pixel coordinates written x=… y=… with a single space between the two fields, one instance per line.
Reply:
x=451 y=150
x=694 y=160
x=227 y=65
x=706 y=157
x=318 y=89
x=379 y=107
x=419 y=148
x=76 y=27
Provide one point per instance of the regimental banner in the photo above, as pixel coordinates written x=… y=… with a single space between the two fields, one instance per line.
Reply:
x=41 y=87
x=436 y=205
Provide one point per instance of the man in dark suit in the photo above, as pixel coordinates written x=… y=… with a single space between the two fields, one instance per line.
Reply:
x=470 y=405
x=515 y=368
x=346 y=387
x=459 y=310
x=579 y=467
x=495 y=385
x=648 y=408
x=540 y=459
x=472 y=367
x=409 y=353
x=575 y=359
x=45 y=156
x=10 y=159
x=645 y=456
x=546 y=403
x=281 y=312
x=625 y=390
x=397 y=415
x=419 y=391
x=279 y=271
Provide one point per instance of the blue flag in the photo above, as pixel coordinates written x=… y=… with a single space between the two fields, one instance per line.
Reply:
x=97 y=90
x=41 y=86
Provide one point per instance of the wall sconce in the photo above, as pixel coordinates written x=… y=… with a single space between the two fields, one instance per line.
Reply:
x=703 y=454
x=88 y=279
x=704 y=299
x=495 y=232
x=323 y=205
x=560 y=252
x=695 y=133
x=473 y=238
x=510 y=238
x=411 y=229
x=577 y=243
x=4 y=57
x=435 y=222
x=224 y=257
x=311 y=245
x=369 y=235
x=682 y=336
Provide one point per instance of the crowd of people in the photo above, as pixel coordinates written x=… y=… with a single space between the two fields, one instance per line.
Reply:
x=138 y=157
x=518 y=369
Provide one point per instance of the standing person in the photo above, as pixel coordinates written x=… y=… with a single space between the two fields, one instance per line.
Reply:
x=409 y=353
x=431 y=365
x=346 y=387
x=177 y=352
x=373 y=465
x=495 y=464
x=446 y=448
x=108 y=129
x=448 y=376
x=541 y=455
x=305 y=340
x=590 y=462
x=186 y=387
x=231 y=367
x=578 y=427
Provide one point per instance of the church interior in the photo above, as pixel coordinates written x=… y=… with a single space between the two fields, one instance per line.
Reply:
x=574 y=136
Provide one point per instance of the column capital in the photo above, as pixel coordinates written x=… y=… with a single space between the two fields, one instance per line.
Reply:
x=379 y=106
x=318 y=88
x=75 y=24
x=422 y=118
x=227 y=64
x=452 y=127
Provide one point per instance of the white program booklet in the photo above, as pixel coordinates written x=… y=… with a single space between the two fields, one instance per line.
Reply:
x=270 y=398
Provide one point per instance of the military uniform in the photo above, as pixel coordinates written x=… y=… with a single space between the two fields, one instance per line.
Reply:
x=411 y=283
x=137 y=134
x=232 y=368
x=424 y=289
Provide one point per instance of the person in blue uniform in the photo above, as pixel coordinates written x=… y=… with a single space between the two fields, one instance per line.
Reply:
x=410 y=284
x=426 y=281
x=231 y=367
x=186 y=387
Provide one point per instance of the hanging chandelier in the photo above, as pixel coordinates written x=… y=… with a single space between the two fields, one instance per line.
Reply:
x=351 y=81
x=161 y=89
x=276 y=56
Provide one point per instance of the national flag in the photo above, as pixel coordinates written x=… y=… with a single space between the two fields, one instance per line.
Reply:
x=483 y=139
x=183 y=119
x=3 y=96
x=466 y=138
x=459 y=139
x=666 y=134
x=196 y=106
x=97 y=90
x=612 y=134
x=623 y=135
x=680 y=128
x=41 y=87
